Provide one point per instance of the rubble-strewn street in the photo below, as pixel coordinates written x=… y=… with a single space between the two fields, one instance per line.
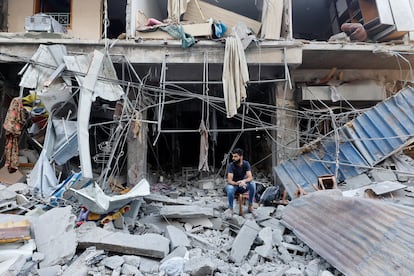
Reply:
x=206 y=137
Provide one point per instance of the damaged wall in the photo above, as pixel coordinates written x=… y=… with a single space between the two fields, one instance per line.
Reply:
x=83 y=13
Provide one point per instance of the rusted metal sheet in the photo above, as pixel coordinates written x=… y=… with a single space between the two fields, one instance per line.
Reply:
x=357 y=236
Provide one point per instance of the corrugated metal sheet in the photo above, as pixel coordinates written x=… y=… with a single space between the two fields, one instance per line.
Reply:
x=357 y=236
x=385 y=128
x=364 y=142
x=35 y=76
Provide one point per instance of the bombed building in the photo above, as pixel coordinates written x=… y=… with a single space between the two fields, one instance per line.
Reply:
x=130 y=110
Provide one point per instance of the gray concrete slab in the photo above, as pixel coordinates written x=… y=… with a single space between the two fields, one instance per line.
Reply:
x=179 y=211
x=151 y=245
x=177 y=237
x=55 y=236
x=200 y=266
x=266 y=236
x=149 y=266
x=243 y=241
x=82 y=264
x=383 y=175
x=357 y=181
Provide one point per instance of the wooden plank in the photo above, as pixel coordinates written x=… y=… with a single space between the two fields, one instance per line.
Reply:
x=229 y=18
x=373 y=9
x=14 y=231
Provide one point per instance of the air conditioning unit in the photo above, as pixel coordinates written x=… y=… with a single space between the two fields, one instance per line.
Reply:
x=43 y=23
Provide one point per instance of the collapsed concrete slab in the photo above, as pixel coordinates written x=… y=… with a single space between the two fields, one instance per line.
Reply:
x=55 y=236
x=179 y=211
x=177 y=237
x=151 y=245
x=243 y=241
x=81 y=265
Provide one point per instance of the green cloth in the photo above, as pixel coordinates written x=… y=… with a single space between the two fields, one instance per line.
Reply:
x=177 y=31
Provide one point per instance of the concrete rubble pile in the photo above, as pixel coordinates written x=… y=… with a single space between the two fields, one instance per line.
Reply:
x=184 y=235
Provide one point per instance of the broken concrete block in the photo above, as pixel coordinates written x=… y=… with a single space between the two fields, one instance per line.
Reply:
x=20 y=188
x=206 y=184
x=284 y=254
x=205 y=222
x=200 y=266
x=15 y=249
x=179 y=211
x=6 y=195
x=13 y=265
x=37 y=257
x=128 y=269
x=274 y=224
x=113 y=262
x=55 y=236
x=151 y=245
x=50 y=270
x=180 y=251
x=279 y=211
x=357 y=181
x=265 y=250
x=293 y=271
x=149 y=265
x=277 y=237
x=243 y=241
x=82 y=264
x=177 y=237
x=132 y=260
x=383 y=175
x=312 y=268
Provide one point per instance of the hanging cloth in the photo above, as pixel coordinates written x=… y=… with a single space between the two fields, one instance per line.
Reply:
x=203 y=159
x=235 y=75
x=176 y=8
x=13 y=124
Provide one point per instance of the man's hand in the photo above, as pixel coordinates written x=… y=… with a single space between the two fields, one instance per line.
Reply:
x=242 y=184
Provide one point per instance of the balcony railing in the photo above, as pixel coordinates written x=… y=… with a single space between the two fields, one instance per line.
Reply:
x=62 y=17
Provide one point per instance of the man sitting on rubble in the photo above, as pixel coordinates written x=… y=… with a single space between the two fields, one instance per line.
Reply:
x=239 y=180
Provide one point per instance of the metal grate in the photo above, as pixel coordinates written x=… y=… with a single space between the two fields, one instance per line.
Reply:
x=62 y=17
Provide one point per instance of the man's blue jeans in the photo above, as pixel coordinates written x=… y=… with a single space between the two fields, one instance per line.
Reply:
x=231 y=190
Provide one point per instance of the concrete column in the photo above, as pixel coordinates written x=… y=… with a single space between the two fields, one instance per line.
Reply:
x=137 y=154
x=287 y=125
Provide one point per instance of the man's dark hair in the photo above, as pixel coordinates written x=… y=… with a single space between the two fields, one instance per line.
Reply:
x=238 y=151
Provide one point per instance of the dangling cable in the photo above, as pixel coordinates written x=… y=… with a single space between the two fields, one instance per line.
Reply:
x=106 y=25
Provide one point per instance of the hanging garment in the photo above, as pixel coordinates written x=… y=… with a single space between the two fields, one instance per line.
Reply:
x=235 y=75
x=203 y=159
x=15 y=119
x=176 y=8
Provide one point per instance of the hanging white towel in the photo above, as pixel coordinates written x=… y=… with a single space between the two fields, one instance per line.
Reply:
x=235 y=75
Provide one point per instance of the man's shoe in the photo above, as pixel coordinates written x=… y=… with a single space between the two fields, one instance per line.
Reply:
x=251 y=211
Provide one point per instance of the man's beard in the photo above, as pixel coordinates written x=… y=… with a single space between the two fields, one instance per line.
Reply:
x=238 y=162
